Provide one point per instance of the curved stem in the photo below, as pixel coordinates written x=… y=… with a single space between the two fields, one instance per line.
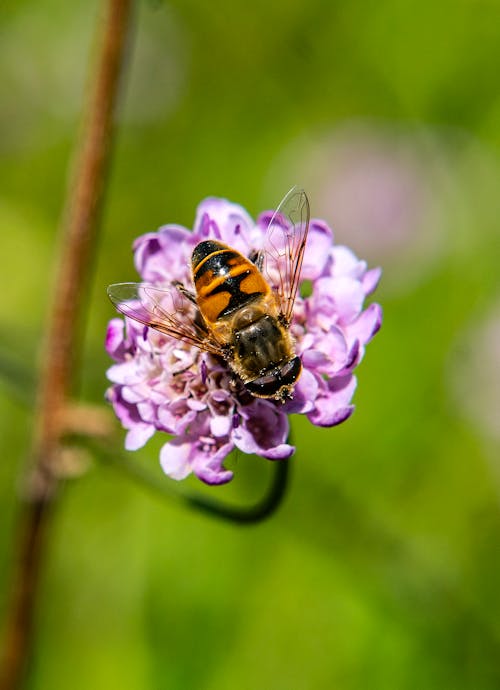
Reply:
x=247 y=515
x=250 y=514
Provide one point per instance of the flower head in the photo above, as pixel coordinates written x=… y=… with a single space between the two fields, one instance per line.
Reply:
x=160 y=383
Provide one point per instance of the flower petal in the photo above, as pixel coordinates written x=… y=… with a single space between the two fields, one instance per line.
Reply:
x=346 y=263
x=209 y=467
x=304 y=394
x=115 y=339
x=163 y=256
x=174 y=458
x=220 y=425
x=371 y=280
x=319 y=242
x=332 y=404
x=227 y=222
x=366 y=325
x=138 y=435
x=263 y=430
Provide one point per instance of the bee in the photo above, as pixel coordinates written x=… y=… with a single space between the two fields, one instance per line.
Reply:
x=241 y=308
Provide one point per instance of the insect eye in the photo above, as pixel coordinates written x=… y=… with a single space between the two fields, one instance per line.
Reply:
x=290 y=371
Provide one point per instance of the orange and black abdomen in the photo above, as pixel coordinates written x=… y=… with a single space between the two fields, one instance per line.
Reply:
x=224 y=279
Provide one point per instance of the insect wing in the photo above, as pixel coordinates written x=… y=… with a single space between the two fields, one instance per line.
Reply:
x=166 y=310
x=284 y=245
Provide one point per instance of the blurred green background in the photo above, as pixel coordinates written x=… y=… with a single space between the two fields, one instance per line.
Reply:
x=382 y=569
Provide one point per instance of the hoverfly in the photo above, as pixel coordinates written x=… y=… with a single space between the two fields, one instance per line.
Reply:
x=241 y=307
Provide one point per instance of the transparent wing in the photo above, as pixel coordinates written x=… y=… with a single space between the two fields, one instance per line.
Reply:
x=165 y=309
x=283 y=250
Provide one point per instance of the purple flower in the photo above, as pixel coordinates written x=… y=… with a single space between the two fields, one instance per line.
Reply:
x=163 y=384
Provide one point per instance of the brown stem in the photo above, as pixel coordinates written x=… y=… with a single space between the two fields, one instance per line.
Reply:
x=78 y=237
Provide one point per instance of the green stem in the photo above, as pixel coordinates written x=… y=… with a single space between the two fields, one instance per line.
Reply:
x=250 y=514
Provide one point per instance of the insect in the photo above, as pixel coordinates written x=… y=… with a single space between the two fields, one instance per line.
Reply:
x=241 y=307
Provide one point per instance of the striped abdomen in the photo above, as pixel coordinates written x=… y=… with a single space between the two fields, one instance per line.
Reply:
x=225 y=280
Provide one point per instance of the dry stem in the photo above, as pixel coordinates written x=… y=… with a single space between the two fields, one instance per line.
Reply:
x=78 y=237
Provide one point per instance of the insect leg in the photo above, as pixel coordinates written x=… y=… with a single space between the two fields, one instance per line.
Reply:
x=184 y=291
x=258 y=259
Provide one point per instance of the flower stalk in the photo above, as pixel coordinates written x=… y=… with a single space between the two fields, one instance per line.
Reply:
x=78 y=236
x=249 y=514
